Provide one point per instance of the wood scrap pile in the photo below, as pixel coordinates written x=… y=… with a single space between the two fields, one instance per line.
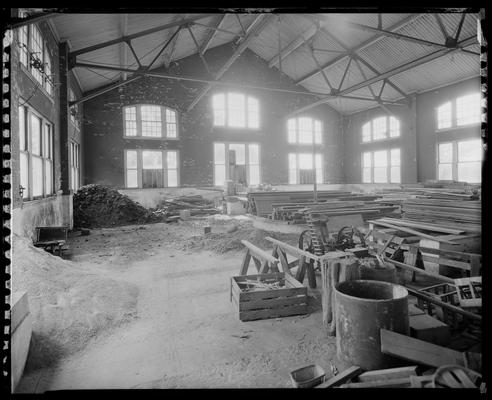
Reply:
x=464 y=213
x=196 y=204
x=252 y=286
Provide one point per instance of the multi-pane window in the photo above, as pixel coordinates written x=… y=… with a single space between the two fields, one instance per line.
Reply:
x=74 y=166
x=36 y=154
x=236 y=161
x=151 y=168
x=464 y=110
x=35 y=56
x=74 y=110
x=304 y=130
x=235 y=110
x=383 y=166
x=150 y=121
x=460 y=160
x=381 y=128
x=302 y=169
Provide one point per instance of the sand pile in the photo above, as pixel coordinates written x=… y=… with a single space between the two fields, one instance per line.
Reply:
x=98 y=206
x=222 y=242
x=69 y=303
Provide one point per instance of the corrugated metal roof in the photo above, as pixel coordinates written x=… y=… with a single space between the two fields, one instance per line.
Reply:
x=386 y=53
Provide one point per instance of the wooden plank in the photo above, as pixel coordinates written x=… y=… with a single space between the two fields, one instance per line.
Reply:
x=390 y=373
x=257 y=263
x=422 y=225
x=273 y=303
x=294 y=282
x=475 y=265
x=341 y=378
x=311 y=275
x=413 y=232
x=275 y=293
x=293 y=251
x=245 y=264
x=418 y=351
x=447 y=261
x=283 y=261
x=272 y=313
x=418 y=270
x=275 y=276
x=397 y=382
x=262 y=254
x=449 y=253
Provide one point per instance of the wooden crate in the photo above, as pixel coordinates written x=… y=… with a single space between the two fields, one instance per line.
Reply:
x=291 y=299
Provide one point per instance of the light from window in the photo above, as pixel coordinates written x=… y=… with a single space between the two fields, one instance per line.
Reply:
x=172 y=168
x=74 y=166
x=254 y=164
x=302 y=168
x=23 y=45
x=469 y=161
x=246 y=158
x=47 y=71
x=445 y=165
x=150 y=121
x=131 y=169
x=304 y=130
x=381 y=166
x=444 y=116
x=235 y=110
x=37 y=51
x=468 y=109
x=151 y=168
x=219 y=164
x=380 y=128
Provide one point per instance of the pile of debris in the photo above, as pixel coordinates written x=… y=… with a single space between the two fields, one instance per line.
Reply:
x=184 y=206
x=98 y=206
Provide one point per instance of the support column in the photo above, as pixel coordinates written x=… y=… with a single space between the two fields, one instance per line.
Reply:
x=63 y=129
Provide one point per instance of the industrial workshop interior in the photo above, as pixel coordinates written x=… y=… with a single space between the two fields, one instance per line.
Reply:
x=246 y=199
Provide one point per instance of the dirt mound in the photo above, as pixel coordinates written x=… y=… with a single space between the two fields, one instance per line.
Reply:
x=224 y=242
x=98 y=206
x=70 y=303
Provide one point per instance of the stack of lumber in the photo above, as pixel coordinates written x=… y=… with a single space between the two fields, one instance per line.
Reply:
x=462 y=214
x=260 y=203
x=196 y=205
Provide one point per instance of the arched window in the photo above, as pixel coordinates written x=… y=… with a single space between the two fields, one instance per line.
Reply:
x=235 y=110
x=304 y=130
x=464 y=110
x=150 y=121
x=380 y=128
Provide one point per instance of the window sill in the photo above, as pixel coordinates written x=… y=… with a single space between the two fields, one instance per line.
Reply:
x=40 y=86
x=388 y=139
x=149 y=138
x=457 y=128
x=37 y=200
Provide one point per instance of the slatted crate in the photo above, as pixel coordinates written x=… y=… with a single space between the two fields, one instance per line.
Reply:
x=290 y=299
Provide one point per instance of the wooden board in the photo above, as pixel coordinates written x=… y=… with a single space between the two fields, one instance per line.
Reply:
x=390 y=373
x=397 y=382
x=418 y=351
x=341 y=378
x=272 y=313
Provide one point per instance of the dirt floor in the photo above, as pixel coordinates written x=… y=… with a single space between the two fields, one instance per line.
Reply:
x=158 y=314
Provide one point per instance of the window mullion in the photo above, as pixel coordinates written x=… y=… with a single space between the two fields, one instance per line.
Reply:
x=139 y=120
x=163 y=123
x=139 y=168
x=164 y=168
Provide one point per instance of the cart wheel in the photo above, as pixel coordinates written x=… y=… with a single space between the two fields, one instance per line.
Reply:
x=305 y=241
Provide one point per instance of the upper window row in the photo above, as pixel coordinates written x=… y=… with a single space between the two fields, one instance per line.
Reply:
x=236 y=110
x=150 y=121
x=380 y=128
x=465 y=110
x=34 y=55
x=304 y=130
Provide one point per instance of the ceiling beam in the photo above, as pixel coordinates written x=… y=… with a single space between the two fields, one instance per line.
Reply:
x=217 y=29
x=394 y=71
x=361 y=46
x=163 y=48
x=123 y=46
x=260 y=23
x=311 y=50
x=250 y=27
x=96 y=93
x=292 y=46
x=168 y=54
x=211 y=34
x=31 y=19
x=137 y=35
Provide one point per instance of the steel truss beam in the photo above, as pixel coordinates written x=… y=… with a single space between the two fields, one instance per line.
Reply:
x=210 y=36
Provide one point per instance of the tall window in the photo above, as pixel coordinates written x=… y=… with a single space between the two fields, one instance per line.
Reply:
x=151 y=168
x=150 y=121
x=36 y=154
x=383 y=166
x=302 y=168
x=235 y=110
x=460 y=160
x=74 y=110
x=35 y=56
x=380 y=128
x=462 y=111
x=236 y=161
x=74 y=166
x=304 y=130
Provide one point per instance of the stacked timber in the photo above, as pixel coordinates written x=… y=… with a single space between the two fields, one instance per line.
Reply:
x=195 y=204
x=462 y=212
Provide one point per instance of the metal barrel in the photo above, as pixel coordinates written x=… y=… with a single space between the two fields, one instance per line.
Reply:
x=362 y=308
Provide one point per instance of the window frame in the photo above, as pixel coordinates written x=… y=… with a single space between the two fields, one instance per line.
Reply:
x=389 y=166
x=140 y=168
x=455 y=158
x=454 y=114
x=74 y=164
x=46 y=84
x=313 y=131
x=297 y=168
x=246 y=159
x=138 y=120
x=387 y=130
x=45 y=158
x=247 y=97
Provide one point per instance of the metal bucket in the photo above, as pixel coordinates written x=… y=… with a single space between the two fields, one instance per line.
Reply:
x=362 y=308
